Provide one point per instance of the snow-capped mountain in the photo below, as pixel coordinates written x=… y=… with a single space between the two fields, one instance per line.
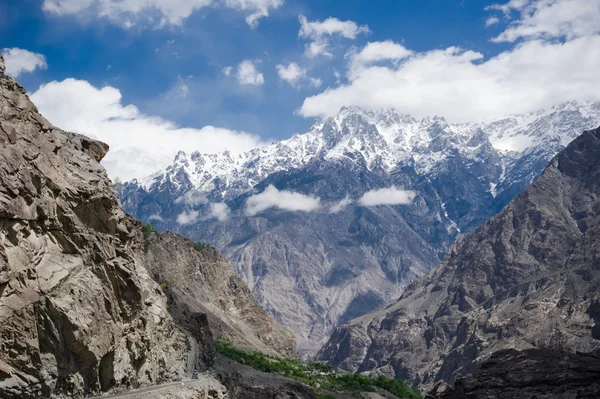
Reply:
x=313 y=270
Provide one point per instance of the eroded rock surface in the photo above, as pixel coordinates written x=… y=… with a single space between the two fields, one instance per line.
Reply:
x=204 y=282
x=529 y=277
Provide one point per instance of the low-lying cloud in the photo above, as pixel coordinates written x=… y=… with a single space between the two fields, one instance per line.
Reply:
x=387 y=196
x=341 y=205
x=192 y=198
x=286 y=200
x=187 y=217
x=220 y=211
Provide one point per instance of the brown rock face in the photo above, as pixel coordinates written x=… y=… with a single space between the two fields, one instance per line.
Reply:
x=203 y=281
x=527 y=278
x=78 y=312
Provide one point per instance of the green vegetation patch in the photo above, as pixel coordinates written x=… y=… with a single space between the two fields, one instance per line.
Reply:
x=147 y=229
x=200 y=246
x=318 y=375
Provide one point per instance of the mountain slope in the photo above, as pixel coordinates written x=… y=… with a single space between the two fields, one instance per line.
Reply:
x=79 y=312
x=201 y=281
x=315 y=270
x=528 y=277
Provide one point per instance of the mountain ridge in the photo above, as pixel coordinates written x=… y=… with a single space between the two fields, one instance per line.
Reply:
x=459 y=179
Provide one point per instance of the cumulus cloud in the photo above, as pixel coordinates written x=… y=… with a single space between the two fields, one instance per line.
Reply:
x=287 y=200
x=375 y=52
x=140 y=144
x=463 y=86
x=19 y=61
x=329 y=27
x=554 y=59
x=247 y=74
x=187 y=217
x=547 y=19
x=294 y=74
x=291 y=73
x=387 y=196
x=320 y=32
x=220 y=211
x=340 y=206
x=158 y=13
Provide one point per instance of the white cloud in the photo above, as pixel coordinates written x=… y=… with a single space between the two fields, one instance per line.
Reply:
x=257 y=8
x=315 y=82
x=329 y=27
x=320 y=32
x=491 y=21
x=287 y=200
x=220 y=211
x=140 y=144
x=375 y=52
x=247 y=74
x=463 y=86
x=316 y=48
x=157 y=13
x=387 y=196
x=192 y=198
x=291 y=73
x=19 y=61
x=227 y=70
x=187 y=217
x=340 y=206
x=546 y=19
x=294 y=74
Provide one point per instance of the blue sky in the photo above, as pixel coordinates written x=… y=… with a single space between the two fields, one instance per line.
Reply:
x=174 y=69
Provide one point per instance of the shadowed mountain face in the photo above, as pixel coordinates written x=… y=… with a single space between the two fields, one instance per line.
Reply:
x=79 y=312
x=315 y=270
x=529 y=374
x=529 y=277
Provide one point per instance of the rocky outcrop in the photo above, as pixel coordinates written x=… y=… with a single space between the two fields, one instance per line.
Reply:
x=529 y=374
x=202 y=281
x=527 y=278
x=78 y=311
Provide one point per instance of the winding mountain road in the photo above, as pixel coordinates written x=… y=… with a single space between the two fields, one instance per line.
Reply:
x=204 y=380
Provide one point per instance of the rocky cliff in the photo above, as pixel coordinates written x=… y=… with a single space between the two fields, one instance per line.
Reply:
x=529 y=277
x=79 y=312
x=202 y=281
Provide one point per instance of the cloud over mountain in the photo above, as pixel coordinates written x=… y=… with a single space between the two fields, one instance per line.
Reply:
x=140 y=144
x=286 y=200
